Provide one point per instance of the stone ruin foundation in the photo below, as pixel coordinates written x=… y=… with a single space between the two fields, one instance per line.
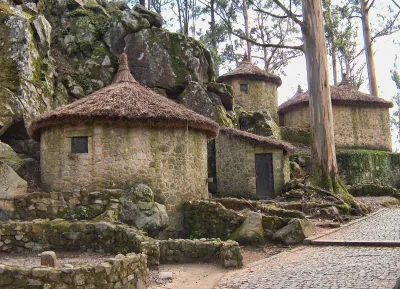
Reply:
x=134 y=251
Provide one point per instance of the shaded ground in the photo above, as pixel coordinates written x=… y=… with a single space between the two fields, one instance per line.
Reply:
x=31 y=259
x=206 y=275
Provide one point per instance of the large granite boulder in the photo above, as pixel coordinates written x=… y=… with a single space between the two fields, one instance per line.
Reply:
x=25 y=84
x=295 y=232
x=11 y=186
x=137 y=208
x=158 y=58
x=10 y=157
x=251 y=231
x=259 y=122
x=224 y=91
x=205 y=103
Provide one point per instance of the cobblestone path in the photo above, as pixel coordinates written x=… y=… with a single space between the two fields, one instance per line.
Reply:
x=330 y=267
x=384 y=226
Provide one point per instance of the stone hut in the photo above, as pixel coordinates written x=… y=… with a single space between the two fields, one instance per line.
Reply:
x=122 y=135
x=255 y=89
x=249 y=165
x=360 y=120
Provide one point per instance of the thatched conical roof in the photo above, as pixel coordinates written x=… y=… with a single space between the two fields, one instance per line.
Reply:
x=125 y=101
x=257 y=139
x=343 y=94
x=249 y=70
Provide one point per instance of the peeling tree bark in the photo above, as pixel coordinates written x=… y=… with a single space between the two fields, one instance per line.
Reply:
x=246 y=27
x=323 y=153
x=369 y=54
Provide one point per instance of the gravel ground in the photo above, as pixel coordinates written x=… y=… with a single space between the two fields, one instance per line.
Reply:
x=31 y=259
x=376 y=203
x=321 y=267
x=384 y=226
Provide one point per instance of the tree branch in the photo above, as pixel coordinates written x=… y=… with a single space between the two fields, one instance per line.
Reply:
x=289 y=13
x=298 y=47
x=387 y=30
x=258 y=9
x=398 y=6
x=370 y=6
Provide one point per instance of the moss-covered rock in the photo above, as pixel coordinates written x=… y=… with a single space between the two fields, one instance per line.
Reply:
x=295 y=232
x=159 y=58
x=251 y=231
x=296 y=135
x=224 y=91
x=260 y=123
x=374 y=190
x=205 y=103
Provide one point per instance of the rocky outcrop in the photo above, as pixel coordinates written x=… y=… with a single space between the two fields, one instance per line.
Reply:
x=11 y=186
x=54 y=52
x=260 y=123
x=204 y=102
x=137 y=208
x=224 y=91
x=158 y=58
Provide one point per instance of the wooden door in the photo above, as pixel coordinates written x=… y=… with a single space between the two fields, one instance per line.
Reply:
x=264 y=176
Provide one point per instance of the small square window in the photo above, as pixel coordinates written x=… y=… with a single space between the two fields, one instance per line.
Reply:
x=244 y=88
x=79 y=145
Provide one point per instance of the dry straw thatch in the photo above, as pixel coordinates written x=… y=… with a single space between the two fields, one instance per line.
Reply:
x=125 y=101
x=258 y=140
x=248 y=70
x=340 y=95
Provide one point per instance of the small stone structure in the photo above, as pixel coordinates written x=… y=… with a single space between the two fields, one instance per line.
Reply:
x=360 y=120
x=107 y=237
x=236 y=153
x=122 y=135
x=254 y=88
x=128 y=271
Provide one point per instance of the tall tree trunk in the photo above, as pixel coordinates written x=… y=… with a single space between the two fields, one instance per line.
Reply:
x=334 y=65
x=246 y=28
x=369 y=54
x=323 y=153
x=213 y=34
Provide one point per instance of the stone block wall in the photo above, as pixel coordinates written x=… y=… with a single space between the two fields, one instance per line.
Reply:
x=61 y=235
x=171 y=161
x=227 y=253
x=236 y=170
x=67 y=205
x=261 y=95
x=128 y=272
x=355 y=127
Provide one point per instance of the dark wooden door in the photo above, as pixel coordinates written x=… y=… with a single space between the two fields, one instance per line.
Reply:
x=264 y=176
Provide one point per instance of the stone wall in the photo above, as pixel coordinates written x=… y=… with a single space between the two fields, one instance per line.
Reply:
x=261 y=95
x=236 y=170
x=128 y=271
x=362 y=166
x=171 y=161
x=227 y=253
x=39 y=235
x=63 y=235
x=67 y=205
x=358 y=127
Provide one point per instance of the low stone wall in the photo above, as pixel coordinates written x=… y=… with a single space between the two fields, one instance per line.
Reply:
x=362 y=166
x=39 y=235
x=128 y=271
x=221 y=218
x=227 y=253
x=67 y=205
x=60 y=234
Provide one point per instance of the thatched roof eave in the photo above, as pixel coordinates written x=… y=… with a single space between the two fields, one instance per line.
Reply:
x=258 y=140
